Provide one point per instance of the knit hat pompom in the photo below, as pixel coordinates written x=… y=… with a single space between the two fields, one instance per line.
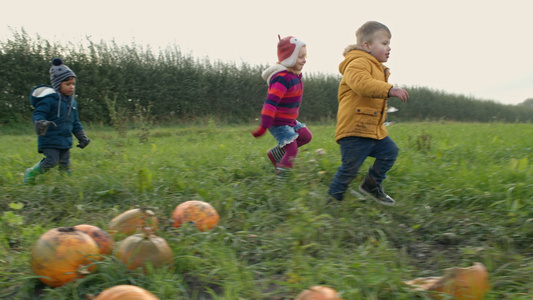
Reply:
x=59 y=72
x=57 y=61
x=288 y=49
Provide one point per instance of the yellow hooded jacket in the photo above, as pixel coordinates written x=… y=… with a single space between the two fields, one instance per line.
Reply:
x=363 y=94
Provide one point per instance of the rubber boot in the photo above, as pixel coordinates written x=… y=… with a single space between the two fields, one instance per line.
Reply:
x=275 y=155
x=31 y=173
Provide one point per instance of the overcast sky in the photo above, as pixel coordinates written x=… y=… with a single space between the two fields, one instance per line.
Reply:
x=477 y=48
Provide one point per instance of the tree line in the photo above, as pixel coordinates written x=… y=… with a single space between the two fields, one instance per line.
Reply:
x=122 y=81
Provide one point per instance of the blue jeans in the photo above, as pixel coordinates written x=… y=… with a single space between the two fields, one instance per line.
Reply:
x=354 y=151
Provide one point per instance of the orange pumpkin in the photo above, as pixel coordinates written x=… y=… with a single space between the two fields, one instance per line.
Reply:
x=319 y=292
x=62 y=255
x=463 y=283
x=132 y=221
x=126 y=292
x=201 y=213
x=139 y=249
x=103 y=240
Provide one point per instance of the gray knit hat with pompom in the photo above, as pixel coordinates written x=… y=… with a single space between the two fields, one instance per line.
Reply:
x=59 y=72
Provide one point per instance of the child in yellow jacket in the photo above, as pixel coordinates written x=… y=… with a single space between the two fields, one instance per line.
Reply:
x=361 y=132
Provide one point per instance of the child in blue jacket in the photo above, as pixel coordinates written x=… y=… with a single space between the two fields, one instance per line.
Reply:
x=55 y=118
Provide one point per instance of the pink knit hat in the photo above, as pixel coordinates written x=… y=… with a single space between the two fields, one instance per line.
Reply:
x=288 y=49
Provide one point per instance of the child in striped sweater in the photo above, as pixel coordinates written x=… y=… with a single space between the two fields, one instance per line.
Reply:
x=282 y=104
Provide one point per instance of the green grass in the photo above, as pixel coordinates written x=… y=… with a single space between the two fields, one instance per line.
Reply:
x=464 y=193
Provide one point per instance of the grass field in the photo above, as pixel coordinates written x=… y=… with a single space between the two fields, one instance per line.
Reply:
x=464 y=194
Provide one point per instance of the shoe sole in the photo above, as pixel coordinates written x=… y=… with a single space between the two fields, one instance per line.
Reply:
x=356 y=194
x=374 y=198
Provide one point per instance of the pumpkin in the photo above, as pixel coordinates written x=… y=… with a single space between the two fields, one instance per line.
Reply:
x=319 y=292
x=139 y=249
x=125 y=292
x=63 y=255
x=320 y=152
x=103 y=240
x=463 y=283
x=201 y=213
x=131 y=221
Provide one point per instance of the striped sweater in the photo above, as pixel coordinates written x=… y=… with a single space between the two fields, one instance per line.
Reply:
x=285 y=90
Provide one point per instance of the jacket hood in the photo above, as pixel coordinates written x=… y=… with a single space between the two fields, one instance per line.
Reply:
x=41 y=92
x=351 y=53
x=267 y=74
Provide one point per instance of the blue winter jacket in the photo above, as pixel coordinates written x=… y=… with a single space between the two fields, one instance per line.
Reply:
x=64 y=113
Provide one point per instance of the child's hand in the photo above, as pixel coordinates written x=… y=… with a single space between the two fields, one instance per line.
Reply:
x=82 y=139
x=41 y=126
x=83 y=143
x=259 y=131
x=400 y=93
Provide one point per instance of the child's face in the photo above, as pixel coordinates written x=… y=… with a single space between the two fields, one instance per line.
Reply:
x=68 y=86
x=380 y=46
x=300 y=61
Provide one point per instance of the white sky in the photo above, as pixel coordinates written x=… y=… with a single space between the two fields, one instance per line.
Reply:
x=476 y=48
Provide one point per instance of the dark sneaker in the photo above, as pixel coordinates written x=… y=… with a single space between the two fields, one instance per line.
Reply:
x=377 y=193
x=275 y=155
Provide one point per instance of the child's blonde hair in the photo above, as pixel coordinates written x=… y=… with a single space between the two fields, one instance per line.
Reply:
x=292 y=70
x=366 y=32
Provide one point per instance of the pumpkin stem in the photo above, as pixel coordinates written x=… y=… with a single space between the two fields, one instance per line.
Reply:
x=66 y=229
x=84 y=271
x=148 y=231
x=147 y=217
x=148 y=211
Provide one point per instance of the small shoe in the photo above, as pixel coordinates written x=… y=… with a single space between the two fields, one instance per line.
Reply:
x=377 y=193
x=272 y=158
x=31 y=173
x=275 y=155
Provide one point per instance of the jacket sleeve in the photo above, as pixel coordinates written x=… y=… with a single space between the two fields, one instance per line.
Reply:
x=42 y=108
x=359 y=78
x=76 y=123
x=276 y=91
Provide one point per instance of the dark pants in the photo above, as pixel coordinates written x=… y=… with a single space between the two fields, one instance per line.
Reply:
x=54 y=157
x=354 y=151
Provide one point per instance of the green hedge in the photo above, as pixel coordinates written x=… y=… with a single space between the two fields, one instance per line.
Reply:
x=176 y=88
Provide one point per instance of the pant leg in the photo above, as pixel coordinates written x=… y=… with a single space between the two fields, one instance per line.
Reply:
x=304 y=136
x=385 y=151
x=51 y=158
x=64 y=160
x=291 y=150
x=354 y=151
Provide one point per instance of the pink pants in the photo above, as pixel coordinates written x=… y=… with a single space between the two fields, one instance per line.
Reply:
x=291 y=150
